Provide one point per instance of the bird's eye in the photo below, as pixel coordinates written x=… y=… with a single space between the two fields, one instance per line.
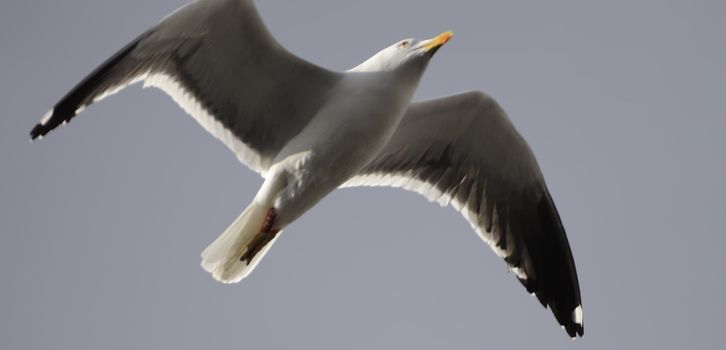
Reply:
x=404 y=44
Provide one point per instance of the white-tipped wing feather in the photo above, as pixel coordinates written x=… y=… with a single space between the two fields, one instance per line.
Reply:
x=217 y=60
x=464 y=150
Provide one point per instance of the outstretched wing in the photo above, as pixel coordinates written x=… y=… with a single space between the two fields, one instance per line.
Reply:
x=216 y=59
x=464 y=150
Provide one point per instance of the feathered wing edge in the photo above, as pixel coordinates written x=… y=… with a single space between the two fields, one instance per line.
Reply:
x=114 y=74
x=217 y=61
x=502 y=241
x=472 y=205
x=159 y=70
x=470 y=163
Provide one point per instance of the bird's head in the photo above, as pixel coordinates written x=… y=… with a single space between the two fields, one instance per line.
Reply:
x=407 y=54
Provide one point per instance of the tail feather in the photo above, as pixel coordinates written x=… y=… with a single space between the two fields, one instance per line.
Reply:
x=222 y=257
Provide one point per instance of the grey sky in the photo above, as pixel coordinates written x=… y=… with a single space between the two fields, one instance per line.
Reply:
x=102 y=223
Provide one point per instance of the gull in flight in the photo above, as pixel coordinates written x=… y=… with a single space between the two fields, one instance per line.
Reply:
x=308 y=131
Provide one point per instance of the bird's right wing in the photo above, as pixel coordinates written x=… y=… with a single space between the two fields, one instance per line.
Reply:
x=463 y=150
x=216 y=59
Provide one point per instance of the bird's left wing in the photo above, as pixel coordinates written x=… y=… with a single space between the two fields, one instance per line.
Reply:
x=218 y=61
x=464 y=150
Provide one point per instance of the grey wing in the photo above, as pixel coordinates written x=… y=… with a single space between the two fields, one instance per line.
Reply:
x=464 y=150
x=217 y=60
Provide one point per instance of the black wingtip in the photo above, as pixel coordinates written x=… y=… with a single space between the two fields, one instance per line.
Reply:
x=574 y=330
x=570 y=320
x=548 y=263
x=112 y=73
x=576 y=326
x=37 y=132
x=50 y=121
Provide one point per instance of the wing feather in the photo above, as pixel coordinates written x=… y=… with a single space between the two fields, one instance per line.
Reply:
x=216 y=59
x=464 y=150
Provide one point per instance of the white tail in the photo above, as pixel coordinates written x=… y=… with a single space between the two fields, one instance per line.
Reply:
x=222 y=257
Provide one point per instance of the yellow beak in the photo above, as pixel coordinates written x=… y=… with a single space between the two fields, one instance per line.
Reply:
x=437 y=42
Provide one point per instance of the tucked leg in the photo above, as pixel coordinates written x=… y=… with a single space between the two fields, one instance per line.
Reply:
x=266 y=234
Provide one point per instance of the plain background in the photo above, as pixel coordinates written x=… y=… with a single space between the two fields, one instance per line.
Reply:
x=102 y=223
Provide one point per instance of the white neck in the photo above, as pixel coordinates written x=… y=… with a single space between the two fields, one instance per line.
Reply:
x=381 y=62
x=370 y=65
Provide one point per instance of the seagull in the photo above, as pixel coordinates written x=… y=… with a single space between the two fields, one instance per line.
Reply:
x=308 y=131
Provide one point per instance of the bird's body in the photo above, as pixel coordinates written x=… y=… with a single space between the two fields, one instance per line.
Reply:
x=309 y=131
x=347 y=133
x=352 y=126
